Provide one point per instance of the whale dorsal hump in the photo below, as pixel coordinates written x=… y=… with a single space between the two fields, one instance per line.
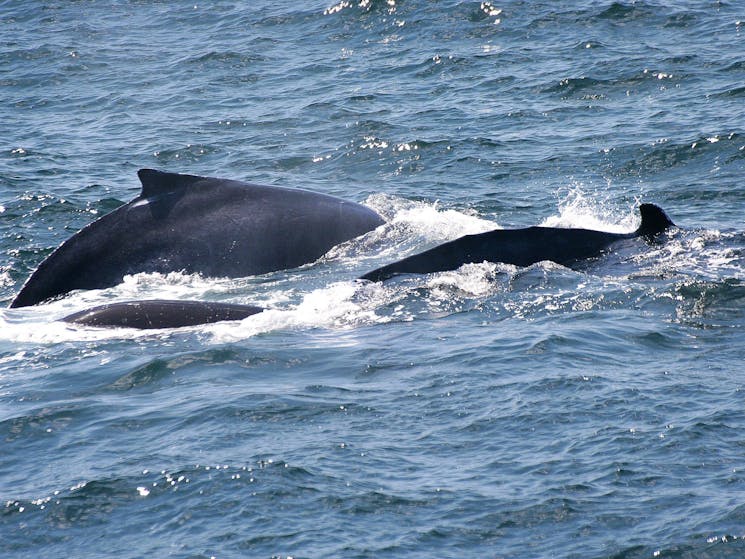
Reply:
x=158 y=182
x=654 y=220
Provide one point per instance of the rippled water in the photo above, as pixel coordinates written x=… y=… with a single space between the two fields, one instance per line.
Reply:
x=490 y=411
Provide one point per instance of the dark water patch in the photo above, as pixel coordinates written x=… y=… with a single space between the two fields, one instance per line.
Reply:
x=144 y=375
x=185 y=155
x=732 y=91
x=228 y=59
x=738 y=66
x=179 y=367
x=376 y=502
x=85 y=504
x=609 y=16
x=39 y=52
x=682 y=59
x=129 y=501
x=590 y=44
x=479 y=12
x=571 y=86
x=285 y=410
x=622 y=12
x=673 y=156
x=683 y=19
x=656 y=341
x=618 y=86
x=712 y=304
x=713 y=547
x=36 y=423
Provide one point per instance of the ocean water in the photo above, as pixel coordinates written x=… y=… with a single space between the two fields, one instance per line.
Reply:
x=491 y=411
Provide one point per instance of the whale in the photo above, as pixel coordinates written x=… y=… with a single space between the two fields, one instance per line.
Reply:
x=160 y=313
x=522 y=247
x=194 y=224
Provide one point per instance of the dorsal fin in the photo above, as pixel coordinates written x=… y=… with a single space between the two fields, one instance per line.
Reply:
x=654 y=220
x=158 y=182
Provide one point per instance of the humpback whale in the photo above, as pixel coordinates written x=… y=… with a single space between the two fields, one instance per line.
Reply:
x=159 y=313
x=522 y=247
x=211 y=226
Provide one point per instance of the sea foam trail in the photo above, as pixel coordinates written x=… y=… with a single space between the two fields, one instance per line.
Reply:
x=290 y=298
x=577 y=209
x=410 y=227
x=295 y=300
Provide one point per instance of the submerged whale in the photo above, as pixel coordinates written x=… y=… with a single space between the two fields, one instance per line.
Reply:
x=216 y=227
x=522 y=247
x=160 y=313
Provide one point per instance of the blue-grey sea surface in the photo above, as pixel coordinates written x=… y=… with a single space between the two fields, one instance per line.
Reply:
x=491 y=411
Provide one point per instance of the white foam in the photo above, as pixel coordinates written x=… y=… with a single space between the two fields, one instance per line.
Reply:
x=578 y=209
x=698 y=254
x=20 y=326
x=474 y=280
x=335 y=306
x=428 y=218
x=410 y=227
x=294 y=301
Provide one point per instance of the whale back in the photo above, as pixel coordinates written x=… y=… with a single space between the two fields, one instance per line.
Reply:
x=654 y=220
x=521 y=247
x=160 y=313
x=214 y=227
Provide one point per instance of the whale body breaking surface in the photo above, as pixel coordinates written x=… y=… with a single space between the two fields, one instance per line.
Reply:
x=215 y=227
x=161 y=313
x=522 y=247
x=227 y=228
